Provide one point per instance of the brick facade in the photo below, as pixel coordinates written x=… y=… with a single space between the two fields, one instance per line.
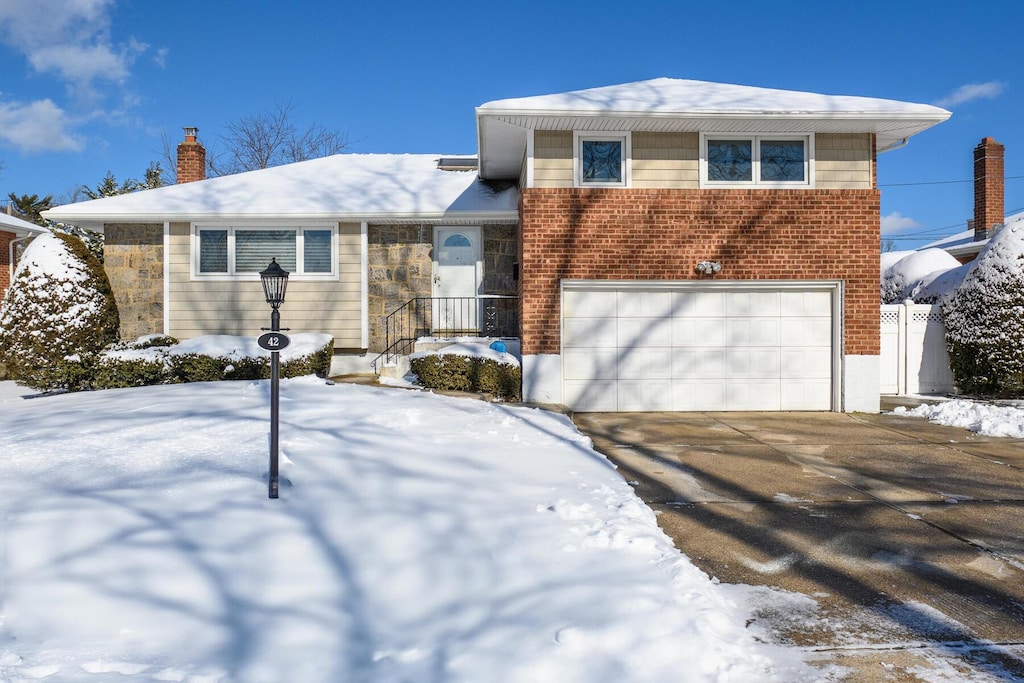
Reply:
x=401 y=268
x=629 y=234
x=133 y=256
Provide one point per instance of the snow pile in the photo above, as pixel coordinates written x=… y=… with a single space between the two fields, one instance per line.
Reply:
x=902 y=278
x=984 y=318
x=417 y=538
x=981 y=418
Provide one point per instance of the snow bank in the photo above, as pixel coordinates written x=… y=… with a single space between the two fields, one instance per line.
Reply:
x=232 y=347
x=417 y=538
x=471 y=350
x=981 y=418
x=903 y=278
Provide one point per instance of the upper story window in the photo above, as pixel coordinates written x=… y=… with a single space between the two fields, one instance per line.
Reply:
x=601 y=160
x=756 y=160
x=242 y=252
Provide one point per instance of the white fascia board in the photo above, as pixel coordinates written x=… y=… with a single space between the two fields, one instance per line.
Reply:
x=485 y=217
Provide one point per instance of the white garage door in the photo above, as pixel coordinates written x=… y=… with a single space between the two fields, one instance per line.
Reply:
x=733 y=346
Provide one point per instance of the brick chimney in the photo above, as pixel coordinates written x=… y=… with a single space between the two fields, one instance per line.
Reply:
x=988 y=188
x=192 y=158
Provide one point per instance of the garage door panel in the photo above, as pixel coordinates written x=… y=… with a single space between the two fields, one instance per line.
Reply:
x=647 y=304
x=591 y=396
x=698 y=363
x=633 y=332
x=588 y=304
x=701 y=304
x=809 y=362
x=806 y=331
x=796 y=303
x=753 y=394
x=742 y=363
x=581 y=364
x=752 y=304
x=806 y=394
x=699 y=395
x=645 y=363
x=589 y=332
x=698 y=332
x=644 y=396
x=752 y=332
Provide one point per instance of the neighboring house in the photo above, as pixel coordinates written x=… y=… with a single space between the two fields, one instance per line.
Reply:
x=989 y=198
x=674 y=244
x=13 y=232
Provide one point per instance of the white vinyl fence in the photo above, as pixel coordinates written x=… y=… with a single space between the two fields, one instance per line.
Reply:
x=914 y=358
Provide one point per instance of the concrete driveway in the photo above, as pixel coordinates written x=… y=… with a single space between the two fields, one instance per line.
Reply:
x=906 y=538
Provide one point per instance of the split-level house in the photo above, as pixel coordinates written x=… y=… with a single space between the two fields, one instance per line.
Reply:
x=14 y=232
x=661 y=245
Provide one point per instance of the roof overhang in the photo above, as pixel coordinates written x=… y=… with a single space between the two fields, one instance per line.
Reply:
x=19 y=227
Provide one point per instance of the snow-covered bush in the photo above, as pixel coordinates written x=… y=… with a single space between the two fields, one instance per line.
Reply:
x=159 y=359
x=59 y=310
x=469 y=367
x=902 y=278
x=984 y=319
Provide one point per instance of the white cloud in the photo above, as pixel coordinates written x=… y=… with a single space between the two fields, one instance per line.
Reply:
x=897 y=222
x=69 y=39
x=39 y=126
x=972 y=91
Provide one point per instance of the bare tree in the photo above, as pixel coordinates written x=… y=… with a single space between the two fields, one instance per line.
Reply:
x=263 y=140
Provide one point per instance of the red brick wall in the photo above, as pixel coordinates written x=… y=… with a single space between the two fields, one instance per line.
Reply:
x=619 y=234
x=5 y=261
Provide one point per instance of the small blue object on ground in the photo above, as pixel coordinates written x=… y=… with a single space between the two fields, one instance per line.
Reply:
x=499 y=346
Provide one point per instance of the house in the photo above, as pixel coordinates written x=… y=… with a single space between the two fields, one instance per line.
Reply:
x=989 y=197
x=673 y=244
x=14 y=232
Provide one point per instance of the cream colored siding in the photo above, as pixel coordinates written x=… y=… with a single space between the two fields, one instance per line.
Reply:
x=842 y=161
x=668 y=161
x=199 y=307
x=552 y=158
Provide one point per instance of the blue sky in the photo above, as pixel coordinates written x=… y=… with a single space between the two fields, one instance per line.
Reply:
x=91 y=86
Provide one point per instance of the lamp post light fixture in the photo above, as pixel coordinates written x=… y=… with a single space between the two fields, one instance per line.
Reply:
x=275 y=282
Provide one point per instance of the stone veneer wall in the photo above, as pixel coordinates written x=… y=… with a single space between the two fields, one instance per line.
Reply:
x=133 y=256
x=401 y=268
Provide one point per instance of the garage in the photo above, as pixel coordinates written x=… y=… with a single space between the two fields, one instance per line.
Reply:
x=700 y=345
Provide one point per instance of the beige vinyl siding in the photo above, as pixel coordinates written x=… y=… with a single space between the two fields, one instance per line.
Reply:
x=198 y=307
x=666 y=161
x=842 y=161
x=552 y=158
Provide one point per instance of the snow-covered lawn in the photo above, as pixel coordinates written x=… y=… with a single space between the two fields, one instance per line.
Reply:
x=418 y=538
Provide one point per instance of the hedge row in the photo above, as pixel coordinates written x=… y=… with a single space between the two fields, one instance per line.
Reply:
x=109 y=371
x=453 y=372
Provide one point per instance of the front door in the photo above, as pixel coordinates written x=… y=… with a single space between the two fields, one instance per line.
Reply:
x=457 y=275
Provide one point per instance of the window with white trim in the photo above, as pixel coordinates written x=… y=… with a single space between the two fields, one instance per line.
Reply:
x=227 y=251
x=756 y=160
x=601 y=160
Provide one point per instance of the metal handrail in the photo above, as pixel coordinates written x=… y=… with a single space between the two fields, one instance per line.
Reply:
x=446 y=317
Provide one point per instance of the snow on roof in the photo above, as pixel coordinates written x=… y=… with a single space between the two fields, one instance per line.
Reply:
x=376 y=187
x=675 y=95
x=16 y=225
x=963 y=242
x=681 y=105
